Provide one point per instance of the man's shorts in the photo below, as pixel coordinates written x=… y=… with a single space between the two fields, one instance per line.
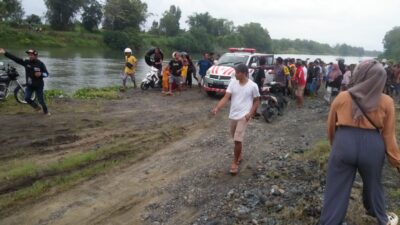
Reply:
x=200 y=79
x=125 y=76
x=238 y=128
x=175 y=79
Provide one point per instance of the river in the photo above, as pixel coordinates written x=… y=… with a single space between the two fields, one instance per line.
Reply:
x=72 y=69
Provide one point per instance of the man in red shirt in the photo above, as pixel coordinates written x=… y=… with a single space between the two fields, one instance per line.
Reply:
x=300 y=84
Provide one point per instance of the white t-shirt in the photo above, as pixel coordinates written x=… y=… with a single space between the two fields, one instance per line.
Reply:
x=241 y=98
x=305 y=73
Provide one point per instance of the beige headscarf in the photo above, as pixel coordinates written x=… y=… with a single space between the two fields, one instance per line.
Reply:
x=366 y=85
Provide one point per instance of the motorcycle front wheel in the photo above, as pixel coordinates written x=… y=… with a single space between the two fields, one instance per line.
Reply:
x=19 y=94
x=144 y=86
x=4 y=96
x=266 y=113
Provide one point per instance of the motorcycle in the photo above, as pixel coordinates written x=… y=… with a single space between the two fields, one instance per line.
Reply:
x=272 y=101
x=151 y=79
x=8 y=80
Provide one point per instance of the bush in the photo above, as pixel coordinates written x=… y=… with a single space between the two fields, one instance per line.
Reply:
x=119 y=40
x=95 y=93
x=49 y=94
x=197 y=40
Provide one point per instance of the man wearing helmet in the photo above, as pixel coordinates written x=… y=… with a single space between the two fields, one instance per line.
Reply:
x=129 y=69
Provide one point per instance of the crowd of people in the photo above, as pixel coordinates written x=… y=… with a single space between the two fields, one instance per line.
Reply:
x=177 y=74
x=301 y=78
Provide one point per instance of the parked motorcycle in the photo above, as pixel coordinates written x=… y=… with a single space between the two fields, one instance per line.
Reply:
x=151 y=79
x=273 y=102
x=8 y=80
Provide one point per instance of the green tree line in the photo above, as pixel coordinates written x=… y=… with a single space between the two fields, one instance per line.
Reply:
x=120 y=22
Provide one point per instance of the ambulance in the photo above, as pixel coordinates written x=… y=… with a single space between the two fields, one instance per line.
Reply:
x=218 y=76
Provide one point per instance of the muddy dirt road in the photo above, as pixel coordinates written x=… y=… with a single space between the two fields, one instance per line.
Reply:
x=173 y=164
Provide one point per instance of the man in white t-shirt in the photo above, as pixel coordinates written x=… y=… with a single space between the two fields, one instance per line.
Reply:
x=245 y=99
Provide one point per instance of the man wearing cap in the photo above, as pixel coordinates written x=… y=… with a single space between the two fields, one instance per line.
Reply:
x=35 y=71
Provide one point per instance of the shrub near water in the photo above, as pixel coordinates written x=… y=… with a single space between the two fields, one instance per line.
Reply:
x=97 y=93
x=50 y=94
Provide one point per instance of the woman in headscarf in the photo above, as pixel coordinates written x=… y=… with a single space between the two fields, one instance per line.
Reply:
x=334 y=82
x=346 y=78
x=336 y=72
x=361 y=130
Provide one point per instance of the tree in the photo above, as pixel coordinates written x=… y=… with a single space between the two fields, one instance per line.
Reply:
x=391 y=44
x=121 y=39
x=92 y=15
x=155 y=28
x=11 y=11
x=60 y=13
x=33 y=19
x=169 y=23
x=255 y=36
x=123 y=14
x=213 y=26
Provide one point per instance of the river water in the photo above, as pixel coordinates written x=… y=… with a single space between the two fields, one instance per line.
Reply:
x=72 y=69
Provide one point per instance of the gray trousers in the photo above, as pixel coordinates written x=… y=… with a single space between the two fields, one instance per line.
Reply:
x=353 y=150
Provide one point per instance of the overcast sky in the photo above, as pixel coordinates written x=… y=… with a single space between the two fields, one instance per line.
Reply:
x=361 y=23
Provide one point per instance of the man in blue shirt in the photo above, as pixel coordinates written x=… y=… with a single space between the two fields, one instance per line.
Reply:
x=204 y=64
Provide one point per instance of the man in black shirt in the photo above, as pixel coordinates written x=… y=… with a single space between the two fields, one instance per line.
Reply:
x=35 y=71
x=175 y=69
x=260 y=76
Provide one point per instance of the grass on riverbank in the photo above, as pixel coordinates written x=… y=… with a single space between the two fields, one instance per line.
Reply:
x=108 y=93
x=23 y=37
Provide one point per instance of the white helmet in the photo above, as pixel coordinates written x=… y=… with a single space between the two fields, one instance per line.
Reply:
x=128 y=50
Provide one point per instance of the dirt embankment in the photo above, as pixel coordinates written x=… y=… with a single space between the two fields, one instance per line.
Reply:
x=169 y=164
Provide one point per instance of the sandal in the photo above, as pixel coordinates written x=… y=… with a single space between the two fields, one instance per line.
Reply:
x=393 y=219
x=234 y=169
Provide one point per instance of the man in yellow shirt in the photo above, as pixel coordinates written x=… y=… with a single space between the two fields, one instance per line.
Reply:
x=129 y=68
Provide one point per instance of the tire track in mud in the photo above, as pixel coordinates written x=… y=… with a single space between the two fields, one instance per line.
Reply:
x=110 y=196
x=134 y=128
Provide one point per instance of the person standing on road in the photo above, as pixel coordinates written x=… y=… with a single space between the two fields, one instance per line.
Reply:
x=158 y=60
x=260 y=76
x=299 y=83
x=175 y=70
x=129 y=68
x=35 y=71
x=191 y=71
x=361 y=130
x=245 y=99
x=279 y=73
x=204 y=64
